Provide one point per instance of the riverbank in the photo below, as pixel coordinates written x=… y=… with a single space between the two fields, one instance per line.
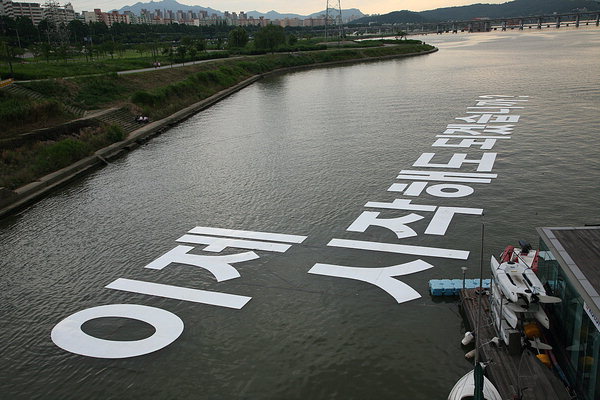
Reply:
x=13 y=200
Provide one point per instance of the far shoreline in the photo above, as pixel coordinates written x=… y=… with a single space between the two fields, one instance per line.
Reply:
x=12 y=201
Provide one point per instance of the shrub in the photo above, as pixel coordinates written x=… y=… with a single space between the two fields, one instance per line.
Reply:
x=143 y=98
x=115 y=133
x=60 y=154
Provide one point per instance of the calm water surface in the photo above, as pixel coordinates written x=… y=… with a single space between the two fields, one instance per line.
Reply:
x=301 y=154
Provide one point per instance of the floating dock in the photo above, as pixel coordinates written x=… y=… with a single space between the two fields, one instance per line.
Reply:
x=520 y=376
x=452 y=287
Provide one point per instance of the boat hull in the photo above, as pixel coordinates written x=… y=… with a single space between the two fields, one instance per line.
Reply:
x=465 y=388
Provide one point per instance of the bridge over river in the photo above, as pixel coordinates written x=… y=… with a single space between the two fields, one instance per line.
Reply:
x=573 y=19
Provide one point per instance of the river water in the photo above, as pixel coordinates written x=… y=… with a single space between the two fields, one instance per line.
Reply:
x=301 y=154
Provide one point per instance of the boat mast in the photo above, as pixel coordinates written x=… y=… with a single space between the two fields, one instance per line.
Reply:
x=477 y=341
x=478 y=370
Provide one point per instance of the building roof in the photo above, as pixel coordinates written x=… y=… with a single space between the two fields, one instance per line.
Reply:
x=578 y=251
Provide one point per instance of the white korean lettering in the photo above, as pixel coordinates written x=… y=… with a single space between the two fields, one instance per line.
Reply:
x=443 y=216
x=414 y=189
x=401 y=204
x=485 y=163
x=478 y=129
x=493 y=96
x=446 y=176
x=219 y=266
x=236 y=233
x=446 y=190
x=489 y=118
x=499 y=102
x=499 y=129
x=68 y=335
x=485 y=144
x=219 y=244
x=400 y=249
x=180 y=293
x=380 y=277
x=396 y=225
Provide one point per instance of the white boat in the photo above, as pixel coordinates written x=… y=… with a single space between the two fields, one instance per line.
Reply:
x=509 y=314
x=517 y=280
x=465 y=388
x=512 y=311
x=502 y=326
x=525 y=255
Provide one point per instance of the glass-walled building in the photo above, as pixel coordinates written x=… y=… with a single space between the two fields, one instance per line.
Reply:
x=570 y=264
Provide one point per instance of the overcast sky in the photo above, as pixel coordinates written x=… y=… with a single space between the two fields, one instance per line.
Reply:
x=304 y=7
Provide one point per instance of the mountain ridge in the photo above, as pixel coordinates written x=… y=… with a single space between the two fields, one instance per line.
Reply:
x=174 y=6
x=509 y=9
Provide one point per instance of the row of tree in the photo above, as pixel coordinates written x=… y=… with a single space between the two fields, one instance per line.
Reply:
x=175 y=42
x=23 y=33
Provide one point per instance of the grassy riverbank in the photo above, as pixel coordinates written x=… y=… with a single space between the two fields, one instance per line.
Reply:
x=156 y=93
x=26 y=163
x=22 y=114
x=161 y=92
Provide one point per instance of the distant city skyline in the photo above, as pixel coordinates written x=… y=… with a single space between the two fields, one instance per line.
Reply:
x=288 y=6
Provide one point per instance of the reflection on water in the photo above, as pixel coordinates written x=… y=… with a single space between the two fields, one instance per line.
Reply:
x=301 y=154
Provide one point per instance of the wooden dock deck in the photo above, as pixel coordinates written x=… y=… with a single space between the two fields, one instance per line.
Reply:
x=520 y=376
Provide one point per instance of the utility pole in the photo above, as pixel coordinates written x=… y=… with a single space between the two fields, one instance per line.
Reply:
x=338 y=19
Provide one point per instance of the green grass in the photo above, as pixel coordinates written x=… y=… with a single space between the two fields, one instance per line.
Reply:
x=157 y=93
x=162 y=101
x=20 y=114
x=25 y=164
x=41 y=69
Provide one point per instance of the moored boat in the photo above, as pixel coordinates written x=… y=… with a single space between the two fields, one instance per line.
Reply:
x=516 y=278
x=465 y=388
x=513 y=312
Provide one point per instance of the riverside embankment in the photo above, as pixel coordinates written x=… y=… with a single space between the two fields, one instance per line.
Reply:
x=151 y=103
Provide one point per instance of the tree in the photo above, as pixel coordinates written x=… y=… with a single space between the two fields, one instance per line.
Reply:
x=62 y=51
x=109 y=47
x=168 y=51
x=89 y=50
x=43 y=49
x=269 y=37
x=9 y=53
x=25 y=30
x=292 y=40
x=192 y=52
x=187 y=41
x=120 y=49
x=141 y=48
x=402 y=34
x=78 y=30
x=238 y=37
x=200 y=44
x=45 y=27
x=181 y=52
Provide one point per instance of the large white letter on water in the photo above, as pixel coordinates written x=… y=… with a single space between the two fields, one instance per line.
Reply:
x=380 y=277
x=67 y=334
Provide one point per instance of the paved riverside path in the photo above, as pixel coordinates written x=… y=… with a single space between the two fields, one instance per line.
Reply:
x=178 y=65
x=135 y=71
